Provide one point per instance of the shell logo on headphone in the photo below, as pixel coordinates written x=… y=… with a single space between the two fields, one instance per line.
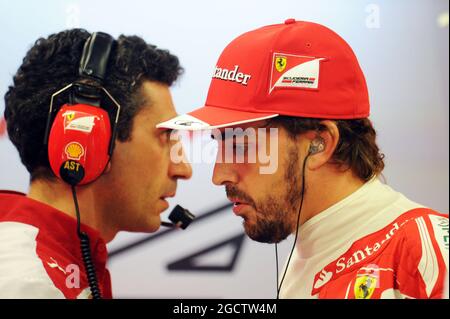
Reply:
x=74 y=151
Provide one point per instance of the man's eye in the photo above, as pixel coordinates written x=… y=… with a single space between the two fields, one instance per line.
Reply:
x=167 y=133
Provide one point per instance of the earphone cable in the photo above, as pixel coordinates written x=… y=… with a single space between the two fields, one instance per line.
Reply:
x=276 y=263
x=296 y=232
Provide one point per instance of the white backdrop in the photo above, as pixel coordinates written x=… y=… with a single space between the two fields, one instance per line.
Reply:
x=403 y=49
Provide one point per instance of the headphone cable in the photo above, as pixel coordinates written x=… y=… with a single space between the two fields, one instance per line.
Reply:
x=296 y=231
x=86 y=252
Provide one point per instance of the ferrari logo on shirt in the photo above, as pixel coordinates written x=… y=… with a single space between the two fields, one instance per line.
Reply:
x=365 y=286
x=280 y=63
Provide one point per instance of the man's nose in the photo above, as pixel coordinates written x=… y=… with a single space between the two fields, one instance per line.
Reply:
x=182 y=169
x=224 y=174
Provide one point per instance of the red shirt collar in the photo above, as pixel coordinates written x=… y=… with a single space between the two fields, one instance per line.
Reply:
x=15 y=206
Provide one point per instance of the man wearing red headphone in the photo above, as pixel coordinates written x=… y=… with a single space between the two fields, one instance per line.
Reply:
x=355 y=237
x=82 y=111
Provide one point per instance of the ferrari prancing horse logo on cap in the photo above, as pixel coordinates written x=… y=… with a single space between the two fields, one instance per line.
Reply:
x=302 y=72
x=280 y=63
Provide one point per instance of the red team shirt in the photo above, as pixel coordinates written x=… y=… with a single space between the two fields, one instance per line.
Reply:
x=375 y=243
x=40 y=252
x=402 y=260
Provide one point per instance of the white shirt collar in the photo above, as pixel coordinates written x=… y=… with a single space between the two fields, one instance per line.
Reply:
x=335 y=225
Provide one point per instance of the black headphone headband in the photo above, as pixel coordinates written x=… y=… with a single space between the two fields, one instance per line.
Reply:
x=94 y=59
x=93 y=64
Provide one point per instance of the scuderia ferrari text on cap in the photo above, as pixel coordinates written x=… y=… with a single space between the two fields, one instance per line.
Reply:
x=296 y=68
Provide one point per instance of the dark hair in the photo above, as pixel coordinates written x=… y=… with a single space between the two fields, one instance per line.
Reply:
x=53 y=63
x=356 y=150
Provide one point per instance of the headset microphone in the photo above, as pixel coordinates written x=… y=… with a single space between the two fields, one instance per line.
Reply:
x=180 y=218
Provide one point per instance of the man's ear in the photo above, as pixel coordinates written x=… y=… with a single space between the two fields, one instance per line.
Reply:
x=322 y=145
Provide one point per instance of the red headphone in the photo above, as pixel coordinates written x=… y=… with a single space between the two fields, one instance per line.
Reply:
x=81 y=141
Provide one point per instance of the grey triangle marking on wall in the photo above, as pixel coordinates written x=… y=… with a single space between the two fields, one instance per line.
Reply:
x=189 y=263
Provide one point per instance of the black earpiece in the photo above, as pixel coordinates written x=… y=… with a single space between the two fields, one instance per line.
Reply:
x=317 y=145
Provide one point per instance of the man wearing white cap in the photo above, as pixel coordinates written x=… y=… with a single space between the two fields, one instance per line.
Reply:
x=355 y=237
